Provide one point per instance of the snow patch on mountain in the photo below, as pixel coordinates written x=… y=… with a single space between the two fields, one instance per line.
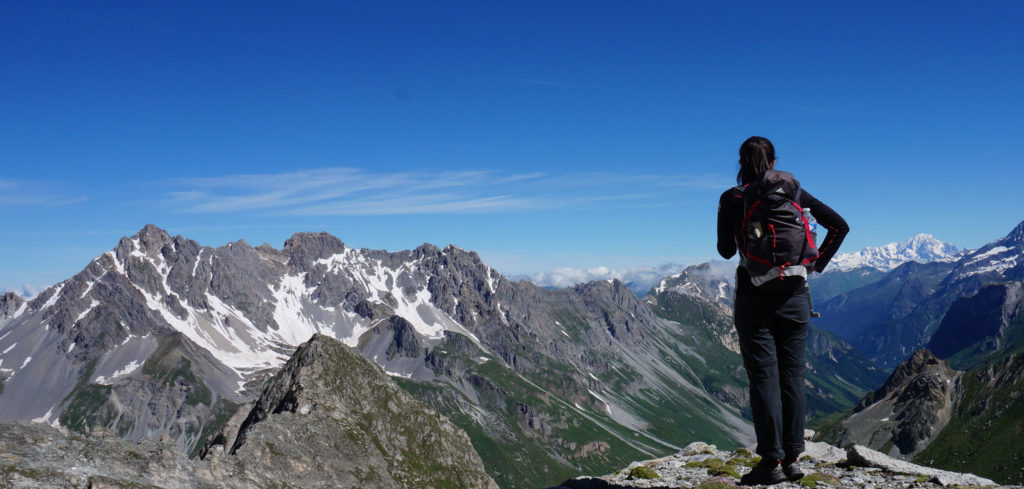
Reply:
x=53 y=298
x=981 y=256
x=288 y=310
x=391 y=286
x=998 y=258
x=922 y=248
x=87 y=310
x=713 y=281
x=124 y=372
x=999 y=266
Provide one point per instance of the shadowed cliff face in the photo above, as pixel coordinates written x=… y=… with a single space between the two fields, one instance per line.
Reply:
x=9 y=304
x=982 y=326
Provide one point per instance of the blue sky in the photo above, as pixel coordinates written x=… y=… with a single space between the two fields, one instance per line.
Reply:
x=540 y=134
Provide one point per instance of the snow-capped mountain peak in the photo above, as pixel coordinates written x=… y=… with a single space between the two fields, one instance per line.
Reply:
x=713 y=281
x=921 y=248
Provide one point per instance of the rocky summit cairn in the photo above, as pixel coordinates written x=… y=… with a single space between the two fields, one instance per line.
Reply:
x=703 y=466
x=328 y=418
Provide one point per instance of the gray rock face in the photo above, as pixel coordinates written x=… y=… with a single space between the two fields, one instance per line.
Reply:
x=700 y=465
x=303 y=249
x=9 y=305
x=36 y=456
x=329 y=418
x=907 y=412
x=866 y=457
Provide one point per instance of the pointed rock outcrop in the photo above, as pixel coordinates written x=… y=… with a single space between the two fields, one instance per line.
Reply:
x=906 y=413
x=330 y=417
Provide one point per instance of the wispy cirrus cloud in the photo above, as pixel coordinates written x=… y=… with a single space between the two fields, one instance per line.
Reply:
x=352 y=191
x=37 y=193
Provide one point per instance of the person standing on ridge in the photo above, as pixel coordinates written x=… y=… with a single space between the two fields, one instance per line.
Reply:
x=768 y=219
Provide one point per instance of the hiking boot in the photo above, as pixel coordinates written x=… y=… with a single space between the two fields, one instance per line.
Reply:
x=766 y=472
x=792 y=470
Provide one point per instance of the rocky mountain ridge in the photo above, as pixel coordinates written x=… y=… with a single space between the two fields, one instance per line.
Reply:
x=164 y=337
x=328 y=418
x=960 y=408
x=562 y=379
x=892 y=317
x=922 y=248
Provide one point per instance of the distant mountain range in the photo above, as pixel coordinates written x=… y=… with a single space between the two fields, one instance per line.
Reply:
x=162 y=337
x=893 y=315
x=958 y=401
x=922 y=248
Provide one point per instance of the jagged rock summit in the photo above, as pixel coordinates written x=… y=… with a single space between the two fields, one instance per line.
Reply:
x=329 y=418
x=902 y=416
x=164 y=336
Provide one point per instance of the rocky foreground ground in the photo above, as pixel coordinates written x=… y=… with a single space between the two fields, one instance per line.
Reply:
x=703 y=466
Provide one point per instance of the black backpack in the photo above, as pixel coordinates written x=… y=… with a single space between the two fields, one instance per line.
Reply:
x=775 y=241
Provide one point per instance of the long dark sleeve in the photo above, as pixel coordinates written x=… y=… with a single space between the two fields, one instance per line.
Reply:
x=831 y=221
x=728 y=220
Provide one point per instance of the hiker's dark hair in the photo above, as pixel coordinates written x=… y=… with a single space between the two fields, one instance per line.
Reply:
x=756 y=157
